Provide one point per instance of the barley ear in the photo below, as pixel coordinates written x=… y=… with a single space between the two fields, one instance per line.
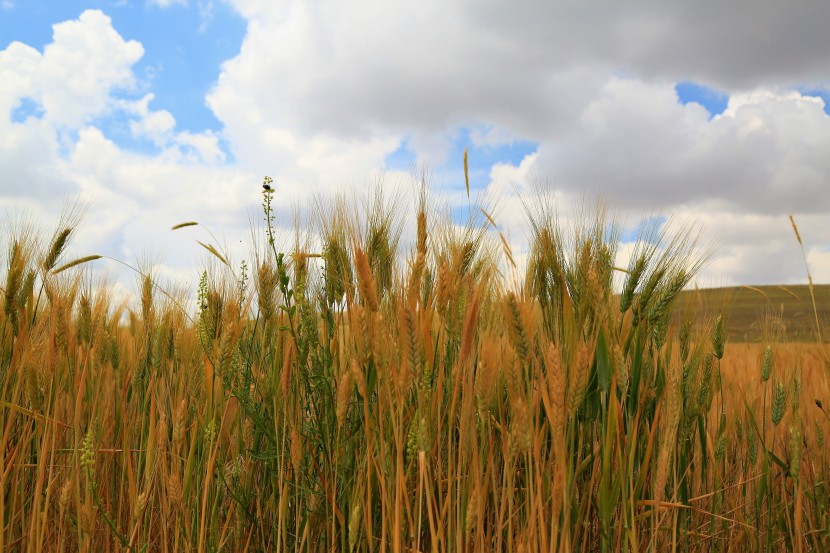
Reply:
x=580 y=369
x=56 y=249
x=779 y=404
x=76 y=262
x=766 y=365
x=183 y=225
x=718 y=338
x=367 y=284
x=558 y=388
x=214 y=251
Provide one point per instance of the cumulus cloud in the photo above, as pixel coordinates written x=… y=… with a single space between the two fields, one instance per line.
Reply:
x=59 y=154
x=432 y=66
x=19 y=64
x=320 y=94
x=166 y=3
x=155 y=126
x=70 y=83
x=78 y=70
x=136 y=198
x=639 y=146
x=356 y=75
x=726 y=46
x=166 y=191
x=75 y=76
x=158 y=127
x=594 y=88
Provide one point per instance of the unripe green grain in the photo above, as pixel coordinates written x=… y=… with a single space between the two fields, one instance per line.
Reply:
x=795 y=397
x=779 y=404
x=56 y=248
x=795 y=449
x=718 y=338
x=766 y=365
x=631 y=282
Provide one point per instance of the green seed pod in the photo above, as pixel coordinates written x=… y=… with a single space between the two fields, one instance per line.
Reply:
x=795 y=398
x=795 y=450
x=355 y=518
x=649 y=288
x=766 y=365
x=720 y=447
x=752 y=449
x=412 y=440
x=779 y=404
x=26 y=289
x=718 y=338
x=631 y=282
x=114 y=354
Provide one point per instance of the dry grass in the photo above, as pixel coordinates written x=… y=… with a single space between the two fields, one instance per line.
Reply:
x=343 y=401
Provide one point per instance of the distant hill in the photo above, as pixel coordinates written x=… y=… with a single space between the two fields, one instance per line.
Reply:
x=756 y=313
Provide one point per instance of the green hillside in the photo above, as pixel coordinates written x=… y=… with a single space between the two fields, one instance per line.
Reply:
x=751 y=312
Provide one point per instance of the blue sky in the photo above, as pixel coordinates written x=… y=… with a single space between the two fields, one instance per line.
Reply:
x=714 y=101
x=169 y=110
x=184 y=45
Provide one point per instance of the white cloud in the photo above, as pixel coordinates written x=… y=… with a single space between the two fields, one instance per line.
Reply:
x=156 y=126
x=594 y=89
x=431 y=66
x=641 y=148
x=77 y=72
x=18 y=66
x=58 y=155
x=352 y=75
x=205 y=144
x=819 y=263
x=137 y=198
x=321 y=93
x=29 y=155
x=167 y=3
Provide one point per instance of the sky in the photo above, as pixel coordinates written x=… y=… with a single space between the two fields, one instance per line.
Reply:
x=155 y=112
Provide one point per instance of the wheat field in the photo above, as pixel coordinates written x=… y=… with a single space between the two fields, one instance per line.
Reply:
x=370 y=395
